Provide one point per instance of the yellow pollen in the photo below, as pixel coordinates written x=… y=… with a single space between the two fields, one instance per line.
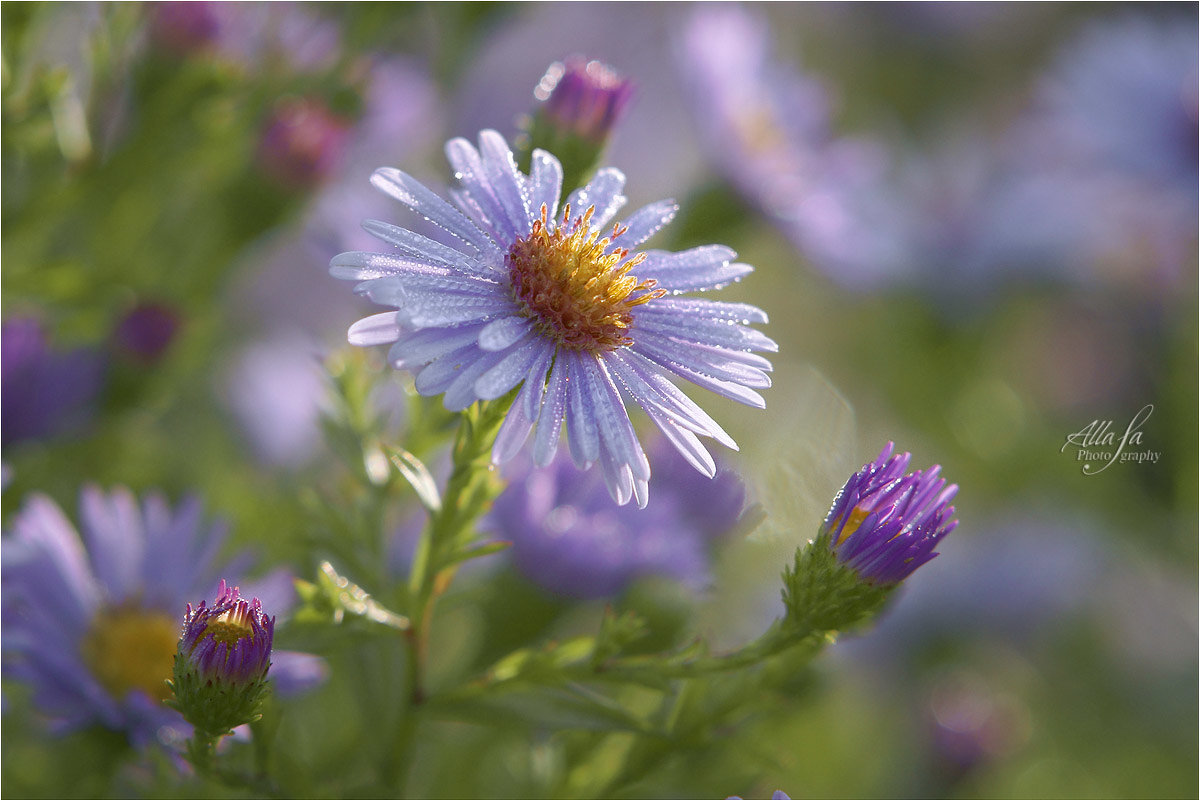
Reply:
x=853 y=521
x=229 y=628
x=132 y=649
x=574 y=292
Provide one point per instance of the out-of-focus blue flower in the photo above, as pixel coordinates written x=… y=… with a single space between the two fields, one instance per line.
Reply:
x=583 y=98
x=43 y=391
x=778 y=795
x=884 y=523
x=1120 y=108
x=769 y=129
x=92 y=621
x=568 y=538
x=527 y=299
x=276 y=388
x=1124 y=93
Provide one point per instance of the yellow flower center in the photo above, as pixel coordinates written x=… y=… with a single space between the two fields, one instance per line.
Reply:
x=853 y=521
x=229 y=628
x=132 y=649
x=574 y=292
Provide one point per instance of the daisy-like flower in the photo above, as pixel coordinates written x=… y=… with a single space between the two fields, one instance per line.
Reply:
x=92 y=621
x=556 y=300
x=884 y=523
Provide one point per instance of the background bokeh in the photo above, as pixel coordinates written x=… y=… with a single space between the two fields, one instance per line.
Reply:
x=973 y=226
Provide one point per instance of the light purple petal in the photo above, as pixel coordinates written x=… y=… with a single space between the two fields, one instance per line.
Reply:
x=378 y=329
x=422 y=200
x=511 y=370
x=437 y=376
x=421 y=347
x=645 y=222
x=612 y=420
x=582 y=436
x=507 y=182
x=545 y=179
x=499 y=334
x=603 y=192
x=652 y=390
x=698 y=269
x=477 y=197
x=549 y=424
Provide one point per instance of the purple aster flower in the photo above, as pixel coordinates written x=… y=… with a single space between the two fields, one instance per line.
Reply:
x=884 y=523
x=44 y=391
x=528 y=297
x=92 y=621
x=568 y=538
x=584 y=98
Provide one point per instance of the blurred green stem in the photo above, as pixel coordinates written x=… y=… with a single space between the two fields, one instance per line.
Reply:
x=473 y=485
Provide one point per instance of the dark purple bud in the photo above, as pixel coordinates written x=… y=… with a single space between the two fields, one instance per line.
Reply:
x=584 y=98
x=146 y=331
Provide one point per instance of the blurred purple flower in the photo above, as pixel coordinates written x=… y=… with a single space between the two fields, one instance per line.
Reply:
x=1120 y=108
x=568 y=537
x=184 y=27
x=1124 y=94
x=971 y=724
x=146 y=331
x=303 y=143
x=275 y=388
x=92 y=621
x=42 y=391
x=884 y=523
x=769 y=129
x=257 y=36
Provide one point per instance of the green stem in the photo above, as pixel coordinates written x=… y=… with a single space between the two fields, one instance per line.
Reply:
x=473 y=485
x=201 y=751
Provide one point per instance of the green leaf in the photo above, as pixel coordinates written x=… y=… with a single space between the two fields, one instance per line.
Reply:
x=333 y=596
x=417 y=475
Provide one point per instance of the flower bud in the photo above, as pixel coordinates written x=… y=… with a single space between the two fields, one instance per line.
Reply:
x=883 y=525
x=580 y=104
x=221 y=664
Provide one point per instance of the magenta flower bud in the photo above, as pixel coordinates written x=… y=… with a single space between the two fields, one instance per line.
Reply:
x=885 y=523
x=584 y=98
x=302 y=143
x=222 y=661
